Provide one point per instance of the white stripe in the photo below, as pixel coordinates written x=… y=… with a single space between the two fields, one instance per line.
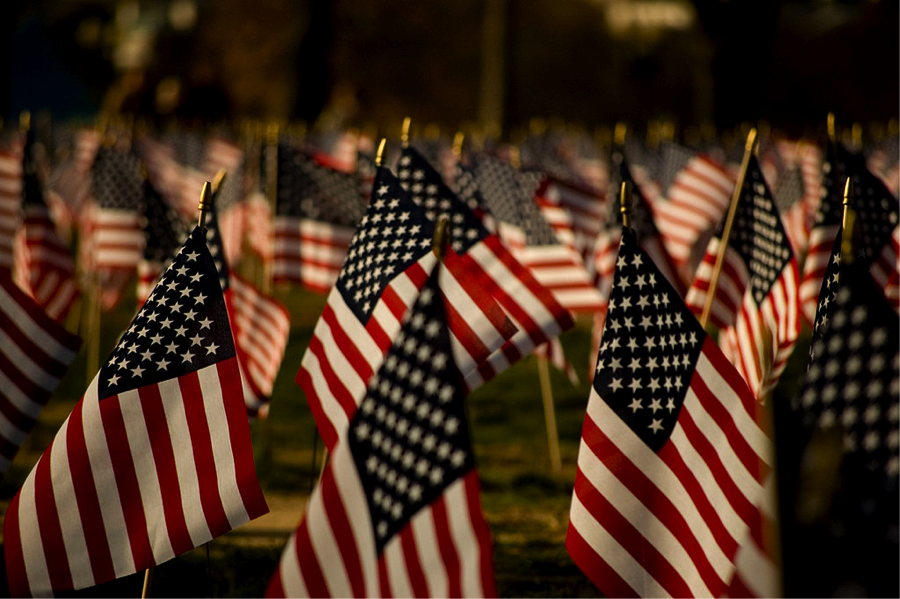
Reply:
x=612 y=552
x=32 y=547
x=459 y=520
x=223 y=453
x=291 y=578
x=425 y=535
x=325 y=547
x=188 y=479
x=334 y=413
x=36 y=333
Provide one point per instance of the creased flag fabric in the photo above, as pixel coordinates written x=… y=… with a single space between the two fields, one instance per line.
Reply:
x=10 y=202
x=388 y=262
x=154 y=460
x=674 y=450
x=756 y=303
x=397 y=511
x=532 y=307
x=35 y=352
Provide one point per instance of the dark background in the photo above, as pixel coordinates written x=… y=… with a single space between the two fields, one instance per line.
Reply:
x=370 y=63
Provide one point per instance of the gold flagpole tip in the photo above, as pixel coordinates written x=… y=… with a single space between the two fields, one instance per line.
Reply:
x=25 y=120
x=404 y=132
x=205 y=202
x=458 y=143
x=848 y=225
x=829 y=123
x=625 y=202
x=441 y=238
x=380 y=152
x=619 y=134
x=848 y=192
x=219 y=180
x=751 y=140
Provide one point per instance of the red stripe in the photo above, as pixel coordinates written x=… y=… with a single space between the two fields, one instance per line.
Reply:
x=722 y=366
x=166 y=473
x=126 y=483
x=383 y=579
x=239 y=433
x=343 y=534
x=445 y=546
x=48 y=522
x=12 y=548
x=204 y=461
x=481 y=531
x=595 y=567
x=467 y=337
x=275 y=587
x=86 y=497
x=631 y=539
x=309 y=564
x=633 y=478
x=411 y=560
x=323 y=424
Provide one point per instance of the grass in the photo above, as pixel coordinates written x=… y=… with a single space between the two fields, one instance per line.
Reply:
x=525 y=502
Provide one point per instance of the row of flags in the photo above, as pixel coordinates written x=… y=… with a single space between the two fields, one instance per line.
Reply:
x=440 y=274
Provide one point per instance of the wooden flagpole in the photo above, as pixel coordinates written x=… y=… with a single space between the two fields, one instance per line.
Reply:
x=271 y=142
x=726 y=231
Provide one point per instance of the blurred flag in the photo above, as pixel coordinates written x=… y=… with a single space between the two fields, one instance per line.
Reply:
x=317 y=212
x=44 y=264
x=154 y=460
x=510 y=197
x=755 y=303
x=260 y=324
x=114 y=241
x=164 y=234
x=10 y=202
x=397 y=511
x=538 y=317
x=37 y=351
x=674 y=450
x=69 y=184
x=388 y=262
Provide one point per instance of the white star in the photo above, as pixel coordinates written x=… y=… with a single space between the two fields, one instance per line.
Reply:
x=162 y=364
x=655 y=405
x=635 y=404
x=656 y=425
x=186 y=357
x=113 y=380
x=192 y=256
x=616 y=384
x=196 y=340
x=211 y=349
x=137 y=371
x=204 y=324
x=180 y=331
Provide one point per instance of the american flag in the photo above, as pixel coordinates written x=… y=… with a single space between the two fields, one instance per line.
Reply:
x=223 y=154
x=849 y=409
x=45 y=267
x=260 y=324
x=694 y=203
x=531 y=307
x=10 y=202
x=388 y=262
x=164 y=234
x=510 y=196
x=397 y=510
x=70 y=180
x=756 y=299
x=317 y=212
x=674 y=450
x=37 y=351
x=154 y=460
x=115 y=242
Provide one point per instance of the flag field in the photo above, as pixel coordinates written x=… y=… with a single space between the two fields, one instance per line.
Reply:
x=525 y=503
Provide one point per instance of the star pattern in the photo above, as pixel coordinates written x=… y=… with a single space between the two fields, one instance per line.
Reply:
x=877 y=210
x=317 y=192
x=163 y=229
x=186 y=304
x=214 y=244
x=116 y=180
x=427 y=189
x=853 y=378
x=509 y=195
x=757 y=234
x=410 y=438
x=391 y=237
x=649 y=348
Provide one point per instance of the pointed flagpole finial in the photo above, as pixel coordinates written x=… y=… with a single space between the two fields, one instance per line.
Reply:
x=829 y=123
x=404 y=132
x=218 y=181
x=625 y=202
x=379 y=154
x=441 y=238
x=458 y=143
x=205 y=202
x=848 y=228
x=750 y=146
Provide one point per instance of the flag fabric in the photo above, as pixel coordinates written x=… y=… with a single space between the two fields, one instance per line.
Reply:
x=45 y=266
x=846 y=496
x=10 y=202
x=388 y=262
x=36 y=352
x=510 y=196
x=69 y=184
x=397 y=512
x=756 y=301
x=316 y=215
x=694 y=203
x=114 y=243
x=154 y=460
x=674 y=449
x=260 y=324
x=532 y=307
x=164 y=234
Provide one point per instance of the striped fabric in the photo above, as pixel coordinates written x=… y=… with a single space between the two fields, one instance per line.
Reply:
x=10 y=202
